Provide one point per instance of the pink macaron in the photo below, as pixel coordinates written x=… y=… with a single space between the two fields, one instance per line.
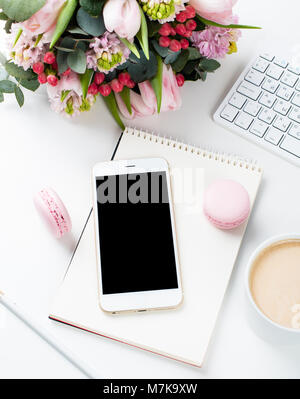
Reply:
x=226 y=204
x=53 y=211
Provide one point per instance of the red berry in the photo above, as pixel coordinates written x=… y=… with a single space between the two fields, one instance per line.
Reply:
x=124 y=78
x=164 y=41
x=181 y=17
x=173 y=32
x=130 y=84
x=116 y=86
x=42 y=78
x=104 y=90
x=99 y=78
x=93 y=89
x=165 y=29
x=184 y=43
x=49 y=58
x=67 y=72
x=175 y=45
x=55 y=66
x=180 y=79
x=180 y=29
x=190 y=12
x=188 y=33
x=38 y=68
x=52 y=80
x=191 y=24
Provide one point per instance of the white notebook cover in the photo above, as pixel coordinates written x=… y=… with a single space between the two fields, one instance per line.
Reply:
x=207 y=256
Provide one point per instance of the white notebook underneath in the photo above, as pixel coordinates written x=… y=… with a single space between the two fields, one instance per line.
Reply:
x=207 y=256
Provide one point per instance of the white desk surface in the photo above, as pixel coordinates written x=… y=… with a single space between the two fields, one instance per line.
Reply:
x=38 y=148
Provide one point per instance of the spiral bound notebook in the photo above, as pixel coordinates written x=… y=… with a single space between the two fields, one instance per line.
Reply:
x=207 y=256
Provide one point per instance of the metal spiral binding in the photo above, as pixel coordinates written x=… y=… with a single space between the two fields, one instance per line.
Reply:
x=222 y=157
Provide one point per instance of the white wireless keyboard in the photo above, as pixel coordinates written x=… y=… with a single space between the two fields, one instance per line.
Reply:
x=264 y=106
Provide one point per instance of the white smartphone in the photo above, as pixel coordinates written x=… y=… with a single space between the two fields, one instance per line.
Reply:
x=137 y=256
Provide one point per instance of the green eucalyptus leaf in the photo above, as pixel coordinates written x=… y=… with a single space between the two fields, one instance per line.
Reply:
x=142 y=35
x=209 y=65
x=21 y=10
x=7 y=86
x=92 y=25
x=194 y=54
x=162 y=51
x=18 y=72
x=1 y=97
x=31 y=85
x=19 y=96
x=2 y=59
x=181 y=61
x=77 y=61
x=142 y=69
x=7 y=26
x=92 y=7
x=231 y=26
x=62 y=61
x=125 y=95
x=85 y=80
x=156 y=82
x=112 y=106
x=3 y=17
x=172 y=57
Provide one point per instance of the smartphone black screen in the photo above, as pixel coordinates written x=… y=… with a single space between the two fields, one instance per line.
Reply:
x=135 y=233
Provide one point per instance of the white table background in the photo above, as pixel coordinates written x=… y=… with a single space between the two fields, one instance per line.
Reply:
x=40 y=148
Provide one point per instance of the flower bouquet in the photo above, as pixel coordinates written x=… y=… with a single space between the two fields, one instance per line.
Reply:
x=134 y=54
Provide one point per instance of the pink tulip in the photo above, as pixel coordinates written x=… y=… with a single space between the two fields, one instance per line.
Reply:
x=44 y=20
x=145 y=104
x=219 y=11
x=123 y=17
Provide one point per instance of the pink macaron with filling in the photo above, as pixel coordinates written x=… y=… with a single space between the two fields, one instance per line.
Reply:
x=53 y=211
x=226 y=204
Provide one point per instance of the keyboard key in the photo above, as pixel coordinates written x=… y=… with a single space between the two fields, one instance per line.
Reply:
x=258 y=128
x=270 y=85
x=294 y=68
x=281 y=62
x=273 y=136
x=289 y=79
x=295 y=114
x=252 y=108
x=282 y=123
x=255 y=77
x=285 y=92
x=267 y=56
x=267 y=115
x=282 y=107
x=296 y=99
x=267 y=99
x=243 y=120
x=249 y=90
x=291 y=145
x=298 y=86
x=295 y=130
x=274 y=72
x=260 y=65
x=237 y=100
x=229 y=113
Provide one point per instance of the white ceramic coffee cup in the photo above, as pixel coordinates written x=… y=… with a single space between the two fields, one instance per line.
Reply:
x=261 y=324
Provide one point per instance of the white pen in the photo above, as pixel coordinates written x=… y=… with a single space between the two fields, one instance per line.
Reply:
x=46 y=336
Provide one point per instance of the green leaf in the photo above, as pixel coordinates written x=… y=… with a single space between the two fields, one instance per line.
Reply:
x=92 y=7
x=21 y=10
x=2 y=59
x=142 y=35
x=85 y=80
x=153 y=27
x=3 y=17
x=62 y=61
x=156 y=82
x=77 y=31
x=142 y=69
x=92 y=25
x=77 y=61
x=31 y=85
x=20 y=31
x=162 y=51
x=209 y=65
x=18 y=72
x=131 y=46
x=7 y=26
x=63 y=20
x=231 y=26
x=112 y=106
x=7 y=86
x=1 y=97
x=19 y=96
x=194 y=54
x=125 y=95
x=181 y=61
